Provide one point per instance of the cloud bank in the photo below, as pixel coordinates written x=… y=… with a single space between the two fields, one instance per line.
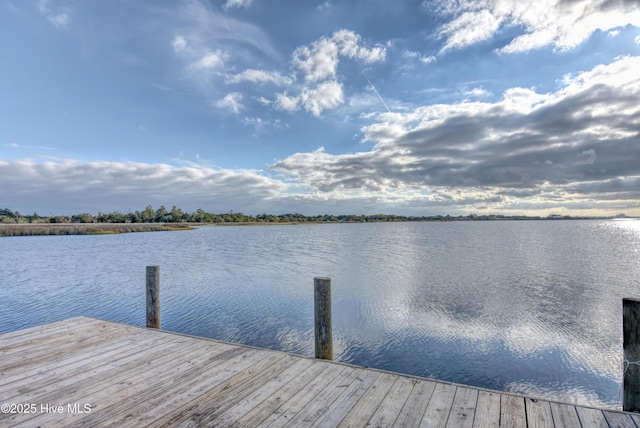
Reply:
x=576 y=149
x=68 y=185
x=562 y=24
x=553 y=146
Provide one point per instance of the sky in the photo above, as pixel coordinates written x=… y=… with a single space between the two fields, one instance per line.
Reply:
x=449 y=107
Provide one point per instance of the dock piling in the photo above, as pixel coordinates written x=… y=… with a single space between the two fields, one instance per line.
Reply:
x=631 y=349
x=322 y=318
x=153 y=297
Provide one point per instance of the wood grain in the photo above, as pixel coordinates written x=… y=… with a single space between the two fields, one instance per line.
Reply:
x=138 y=377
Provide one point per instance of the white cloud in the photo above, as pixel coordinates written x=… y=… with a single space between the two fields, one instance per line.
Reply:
x=60 y=17
x=477 y=93
x=319 y=60
x=66 y=185
x=469 y=28
x=179 y=44
x=427 y=59
x=349 y=45
x=527 y=147
x=236 y=3
x=210 y=44
x=260 y=76
x=325 y=96
x=324 y=7
x=208 y=53
x=319 y=63
x=259 y=124
x=264 y=101
x=231 y=102
x=285 y=102
x=18 y=146
x=523 y=100
x=201 y=63
x=562 y=24
x=209 y=61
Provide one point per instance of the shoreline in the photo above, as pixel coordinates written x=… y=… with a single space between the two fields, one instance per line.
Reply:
x=51 y=229
x=47 y=229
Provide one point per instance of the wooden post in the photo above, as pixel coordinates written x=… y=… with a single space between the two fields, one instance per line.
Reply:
x=631 y=349
x=322 y=318
x=153 y=297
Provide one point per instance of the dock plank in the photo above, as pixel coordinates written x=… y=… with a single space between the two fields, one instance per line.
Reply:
x=183 y=400
x=369 y=402
x=565 y=415
x=345 y=401
x=439 y=407
x=463 y=408
x=37 y=346
x=107 y=390
x=316 y=409
x=259 y=413
x=416 y=404
x=591 y=417
x=58 y=354
x=38 y=377
x=487 y=410
x=136 y=377
x=538 y=413
x=619 y=420
x=290 y=412
x=64 y=325
x=512 y=411
x=262 y=394
x=217 y=401
x=389 y=410
x=96 y=372
x=146 y=389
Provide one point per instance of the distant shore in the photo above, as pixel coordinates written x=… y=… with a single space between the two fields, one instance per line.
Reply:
x=38 y=229
x=42 y=229
x=163 y=219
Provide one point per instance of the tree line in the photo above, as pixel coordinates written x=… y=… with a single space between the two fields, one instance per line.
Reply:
x=177 y=215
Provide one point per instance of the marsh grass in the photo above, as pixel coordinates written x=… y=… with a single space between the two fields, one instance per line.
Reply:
x=86 y=228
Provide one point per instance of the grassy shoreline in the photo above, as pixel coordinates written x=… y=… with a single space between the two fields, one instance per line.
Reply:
x=43 y=229
x=38 y=229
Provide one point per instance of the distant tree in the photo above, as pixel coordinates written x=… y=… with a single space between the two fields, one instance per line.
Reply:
x=162 y=214
x=7 y=216
x=176 y=215
x=82 y=218
x=200 y=216
x=148 y=215
x=60 y=219
x=134 y=217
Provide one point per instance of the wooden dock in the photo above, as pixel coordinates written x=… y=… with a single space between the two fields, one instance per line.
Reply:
x=86 y=372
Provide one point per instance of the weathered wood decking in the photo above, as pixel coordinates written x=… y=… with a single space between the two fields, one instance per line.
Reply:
x=131 y=376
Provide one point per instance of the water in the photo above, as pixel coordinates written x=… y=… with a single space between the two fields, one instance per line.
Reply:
x=530 y=307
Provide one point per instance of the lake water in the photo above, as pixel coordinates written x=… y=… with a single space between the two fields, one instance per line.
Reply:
x=530 y=307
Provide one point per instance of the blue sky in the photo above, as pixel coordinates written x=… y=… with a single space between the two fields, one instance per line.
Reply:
x=359 y=107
